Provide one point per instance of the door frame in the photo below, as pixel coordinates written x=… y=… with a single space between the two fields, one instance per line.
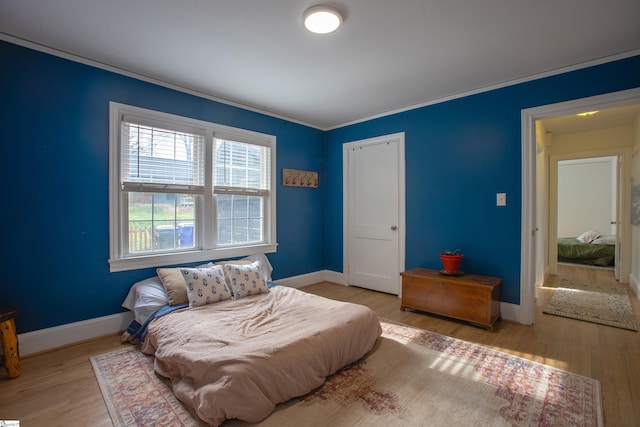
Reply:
x=528 y=227
x=620 y=154
x=400 y=137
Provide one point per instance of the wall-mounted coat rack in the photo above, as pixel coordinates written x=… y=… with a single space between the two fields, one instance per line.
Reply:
x=298 y=178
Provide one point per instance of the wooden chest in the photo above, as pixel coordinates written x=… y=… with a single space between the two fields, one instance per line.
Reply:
x=473 y=298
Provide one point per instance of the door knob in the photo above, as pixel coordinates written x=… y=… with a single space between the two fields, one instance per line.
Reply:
x=394 y=227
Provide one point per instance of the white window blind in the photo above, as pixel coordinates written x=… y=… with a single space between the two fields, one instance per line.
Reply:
x=161 y=160
x=242 y=169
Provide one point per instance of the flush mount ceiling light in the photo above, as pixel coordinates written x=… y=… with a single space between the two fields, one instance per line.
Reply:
x=322 y=19
x=587 y=114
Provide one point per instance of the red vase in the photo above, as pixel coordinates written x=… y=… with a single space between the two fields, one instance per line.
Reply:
x=451 y=263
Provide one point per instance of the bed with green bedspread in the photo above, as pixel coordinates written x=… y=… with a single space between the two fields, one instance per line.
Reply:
x=574 y=251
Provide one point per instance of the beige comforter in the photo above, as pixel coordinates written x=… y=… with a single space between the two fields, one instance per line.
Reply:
x=238 y=359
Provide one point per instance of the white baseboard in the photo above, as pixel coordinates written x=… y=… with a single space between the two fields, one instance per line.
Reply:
x=335 y=277
x=58 y=336
x=511 y=312
x=301 y=280
x=634 y=285
x=311 y=278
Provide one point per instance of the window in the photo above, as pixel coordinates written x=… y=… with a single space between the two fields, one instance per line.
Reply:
x=184 y=190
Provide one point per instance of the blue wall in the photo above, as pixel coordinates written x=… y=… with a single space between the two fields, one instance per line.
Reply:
x=54 y=120
x=459 y=154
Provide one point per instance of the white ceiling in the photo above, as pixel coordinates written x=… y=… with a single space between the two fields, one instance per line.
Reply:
x=605 y=119
x=387 y=56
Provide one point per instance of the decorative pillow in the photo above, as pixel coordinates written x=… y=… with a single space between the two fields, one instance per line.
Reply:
x=588 y=236
x=243 y=261
x=265 y=265
x=246 y=279
x=205 y=285
x=605 y=240
x=174 y=284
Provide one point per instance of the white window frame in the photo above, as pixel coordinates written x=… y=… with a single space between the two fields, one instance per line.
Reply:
x=118 y=260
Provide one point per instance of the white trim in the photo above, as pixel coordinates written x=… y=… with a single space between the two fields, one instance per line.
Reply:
x=526 y=308
x=134 y=263
x=526 y=314
x=573 y=160
x=335 y=277
x=119 y=260
x=511 y=312
x=58 y=336
x=70 y=333
x=302 y=280
x=87 y=61
x=313 y=278
x=634 y=285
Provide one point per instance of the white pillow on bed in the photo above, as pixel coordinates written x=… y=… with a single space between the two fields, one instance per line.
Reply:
x=605 y=240
x=205 y=285
x=246 y=279
x=265 y=266
x=588 y=236
x=145 y=297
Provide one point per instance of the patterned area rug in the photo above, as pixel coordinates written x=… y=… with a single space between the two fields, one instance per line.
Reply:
x=412 y=378
x=604 y=304
x=134 y=394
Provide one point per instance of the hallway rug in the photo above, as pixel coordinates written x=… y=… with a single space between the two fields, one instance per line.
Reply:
x=412 y=377
x=604 y=304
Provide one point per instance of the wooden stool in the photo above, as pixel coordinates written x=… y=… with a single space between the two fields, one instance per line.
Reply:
x=10 y=341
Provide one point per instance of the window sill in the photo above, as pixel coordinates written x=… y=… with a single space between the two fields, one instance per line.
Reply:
x=162 y=260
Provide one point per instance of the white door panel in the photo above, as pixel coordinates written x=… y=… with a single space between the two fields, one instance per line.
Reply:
x=373 y=214
x=372 y=265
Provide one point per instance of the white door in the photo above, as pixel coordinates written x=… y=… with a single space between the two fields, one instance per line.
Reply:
x=609 y=197
x=374 y=199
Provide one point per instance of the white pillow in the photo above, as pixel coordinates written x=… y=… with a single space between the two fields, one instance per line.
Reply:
x=246 y=279
x=205 y=285
x=605 y=240
x=265 y=265
x=145 y=297
x=588 y=236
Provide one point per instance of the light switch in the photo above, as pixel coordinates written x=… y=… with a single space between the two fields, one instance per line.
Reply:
x=501 y=199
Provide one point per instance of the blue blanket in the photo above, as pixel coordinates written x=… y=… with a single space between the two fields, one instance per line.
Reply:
x=138 y=331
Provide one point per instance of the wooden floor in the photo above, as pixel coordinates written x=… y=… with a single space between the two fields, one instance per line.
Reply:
x=58 y=388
